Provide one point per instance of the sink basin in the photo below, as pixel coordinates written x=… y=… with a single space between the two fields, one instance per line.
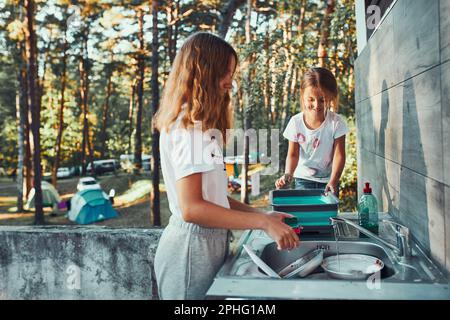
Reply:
x=277 y=260
x=417 y=278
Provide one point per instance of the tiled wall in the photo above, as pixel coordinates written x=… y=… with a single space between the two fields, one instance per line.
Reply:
x=403 y=120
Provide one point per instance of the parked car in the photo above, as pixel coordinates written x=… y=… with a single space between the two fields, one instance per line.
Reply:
x=75 y=171
x=104 y=166
x=63 y=172
x=88 y=183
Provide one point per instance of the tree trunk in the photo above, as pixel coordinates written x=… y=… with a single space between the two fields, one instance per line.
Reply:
x=130 y=114
x=175 y=34
x=105 y=114
x=227 y=16
x=25 y=121
x=170 y=27
x=84 y=92
x=267 y=92
x=90 y=150
x=140 y=92
x=244 y=184
x=325 y=33
x=21 y=146
x=61 y=112
x=301 y=21
x=288 y=111
x=34 y=107
x=155 y=197
x=28 y=164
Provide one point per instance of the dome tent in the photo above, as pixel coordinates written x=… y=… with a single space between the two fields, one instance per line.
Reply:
x=50 y=196
x=91 y=205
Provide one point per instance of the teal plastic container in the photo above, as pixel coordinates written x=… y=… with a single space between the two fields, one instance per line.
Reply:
x=311 y=208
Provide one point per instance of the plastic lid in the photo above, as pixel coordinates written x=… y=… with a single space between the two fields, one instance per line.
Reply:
x=367 y=189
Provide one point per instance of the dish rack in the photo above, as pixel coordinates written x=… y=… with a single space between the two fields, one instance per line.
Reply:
x=312 y=209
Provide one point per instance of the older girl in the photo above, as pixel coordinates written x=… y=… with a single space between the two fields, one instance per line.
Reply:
x=196 y=101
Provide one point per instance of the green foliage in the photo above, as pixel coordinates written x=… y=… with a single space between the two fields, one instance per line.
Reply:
x=349 y=180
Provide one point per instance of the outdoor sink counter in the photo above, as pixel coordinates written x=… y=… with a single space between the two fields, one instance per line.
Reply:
x=241 y=278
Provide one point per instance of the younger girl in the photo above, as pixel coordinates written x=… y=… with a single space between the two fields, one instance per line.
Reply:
x=196 y=100
x=316 y=154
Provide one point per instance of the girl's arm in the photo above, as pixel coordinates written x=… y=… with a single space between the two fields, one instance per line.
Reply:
x=291 y=163
x=237 y=205
x=338 y=164
x=292 y=157
x=204 y=213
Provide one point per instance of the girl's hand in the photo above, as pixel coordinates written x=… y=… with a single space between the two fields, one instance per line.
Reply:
x=331 y=187
x=280 y=183
x=283 y=181
x=284 y=235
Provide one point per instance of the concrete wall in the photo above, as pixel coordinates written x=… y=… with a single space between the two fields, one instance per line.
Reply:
x=77 y=263
x=403 y=119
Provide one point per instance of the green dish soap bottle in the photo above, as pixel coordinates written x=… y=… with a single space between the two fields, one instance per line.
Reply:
x=368 y=211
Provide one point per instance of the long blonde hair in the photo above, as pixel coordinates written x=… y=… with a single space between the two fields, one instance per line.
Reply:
x=324 y=80
x=200 y=64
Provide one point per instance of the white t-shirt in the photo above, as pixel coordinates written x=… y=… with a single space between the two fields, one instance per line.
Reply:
x=316 y=146
x=188 y=151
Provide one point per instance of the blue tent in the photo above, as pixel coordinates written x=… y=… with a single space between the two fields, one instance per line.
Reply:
x=91 y=205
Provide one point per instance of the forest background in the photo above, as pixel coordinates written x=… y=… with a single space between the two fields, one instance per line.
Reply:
x=81 y=80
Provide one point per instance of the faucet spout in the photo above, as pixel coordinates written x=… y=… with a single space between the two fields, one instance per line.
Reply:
x=335 y=221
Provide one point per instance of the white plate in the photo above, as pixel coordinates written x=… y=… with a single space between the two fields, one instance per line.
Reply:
x=268 y=270
x=352 y=266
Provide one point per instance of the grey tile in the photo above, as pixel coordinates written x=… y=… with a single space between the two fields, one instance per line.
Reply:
x=388 y=180
x=373 y=71
x=413 y=204
x=445 y=105
x=422 y=210
x=361 y=75
x=436 y=220
x=445 y=29
x=447 y=228
x=421 y=134
x=387 y=124
x=416 y=37
x=365 y=128
x=382 y=58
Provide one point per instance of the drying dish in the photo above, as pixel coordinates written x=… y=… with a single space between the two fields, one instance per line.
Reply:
x=300 y=267
x=352 y=266
x=257 y=260
x=303 y=266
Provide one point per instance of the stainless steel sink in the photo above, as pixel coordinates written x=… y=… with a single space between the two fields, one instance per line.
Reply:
x=240 y=277
x=277 y=260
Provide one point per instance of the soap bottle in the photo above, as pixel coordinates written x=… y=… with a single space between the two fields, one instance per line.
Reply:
x=368 y=210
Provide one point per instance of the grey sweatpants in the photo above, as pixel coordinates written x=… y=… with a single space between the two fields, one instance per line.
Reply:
x=187 y=259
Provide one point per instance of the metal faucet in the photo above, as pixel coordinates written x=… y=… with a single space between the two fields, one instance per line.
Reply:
x=403 y=247
x=403 y=238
